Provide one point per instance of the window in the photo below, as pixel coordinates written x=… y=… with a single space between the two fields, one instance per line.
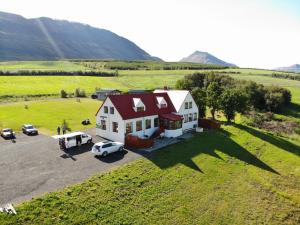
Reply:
x=115 y=127
x=140 y=109
x=186 y=105
x=190 y=105
x=139 y=125
x=156 y=122
x=148 y=123
x=128 y=128
x=186 y=118
x=103 y=125
x=174 y=125
x=105 y=109
x=163 y=106
x=106 y=145
x=190 y=117
x=112 y=110
x=195 y=116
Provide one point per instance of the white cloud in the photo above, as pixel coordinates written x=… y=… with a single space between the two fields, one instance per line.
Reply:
x=247 y=33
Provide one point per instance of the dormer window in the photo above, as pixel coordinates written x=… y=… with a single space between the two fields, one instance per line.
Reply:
x=138 y=105
x=161 y=102
x=140 y=109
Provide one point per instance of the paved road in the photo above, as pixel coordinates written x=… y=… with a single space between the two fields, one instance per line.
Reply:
x=35 y=165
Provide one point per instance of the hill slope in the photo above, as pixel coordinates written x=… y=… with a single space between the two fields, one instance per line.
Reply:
x=48 y=39
x=293 y=68
x=205 y=58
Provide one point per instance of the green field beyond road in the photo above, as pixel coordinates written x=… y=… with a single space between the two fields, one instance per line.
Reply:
x=47 y=115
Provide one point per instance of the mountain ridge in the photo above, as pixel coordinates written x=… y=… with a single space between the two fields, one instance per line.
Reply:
x=293 y=68
x=205 y=58
x=51 y=39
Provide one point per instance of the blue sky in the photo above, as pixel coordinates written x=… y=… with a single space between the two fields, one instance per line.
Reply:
x=249 y=33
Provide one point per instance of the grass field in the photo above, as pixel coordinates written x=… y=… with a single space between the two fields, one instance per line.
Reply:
x=41 y=65
x=236 y=176
x=47 y=115
x=140 y=79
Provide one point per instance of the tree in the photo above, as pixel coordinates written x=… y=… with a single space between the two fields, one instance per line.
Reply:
x=256 y=93
x=184 y=84
x=199 y=96
x=79 y=93
x=213 y=93
x=233 y=101
x=63 y=94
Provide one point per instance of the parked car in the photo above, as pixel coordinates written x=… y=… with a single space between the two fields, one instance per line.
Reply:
x=107 y=147
x=29 y=129
x=7 y=133
x=74 y=139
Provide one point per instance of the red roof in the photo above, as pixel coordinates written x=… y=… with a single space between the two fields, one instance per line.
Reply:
x=172 y=117
x=124 y=105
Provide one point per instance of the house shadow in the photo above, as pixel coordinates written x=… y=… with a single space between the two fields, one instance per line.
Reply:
x=111 y=158
x=70 y=153
x=208 y=143
x=272 y=139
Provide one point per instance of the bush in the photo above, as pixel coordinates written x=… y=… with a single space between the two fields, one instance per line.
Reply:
x=79 y=93
x=63 y=94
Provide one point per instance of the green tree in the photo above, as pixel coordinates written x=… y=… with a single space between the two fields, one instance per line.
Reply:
x=199 y=96
x=213 y=93
x=232 y=101
x=63 y=94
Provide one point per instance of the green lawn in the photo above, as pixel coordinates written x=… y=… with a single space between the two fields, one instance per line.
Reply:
x=236 y=176
x=49 y=114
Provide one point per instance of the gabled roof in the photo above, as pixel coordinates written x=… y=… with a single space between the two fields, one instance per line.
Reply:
x=177 y=97
x=124 y=105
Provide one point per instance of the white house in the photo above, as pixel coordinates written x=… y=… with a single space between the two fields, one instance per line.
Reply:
x=185 y=106
x=143 y=114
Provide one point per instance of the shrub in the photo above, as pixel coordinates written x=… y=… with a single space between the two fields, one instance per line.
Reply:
x=63 y=94
x=79 y=93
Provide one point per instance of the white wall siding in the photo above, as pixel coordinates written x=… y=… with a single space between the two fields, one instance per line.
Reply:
x=110 y=118
x=182 y=111
x=173 y=133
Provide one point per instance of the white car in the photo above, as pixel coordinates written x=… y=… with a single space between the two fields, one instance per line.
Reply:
x=7 y=133
x=107 y=147
x=74 y=139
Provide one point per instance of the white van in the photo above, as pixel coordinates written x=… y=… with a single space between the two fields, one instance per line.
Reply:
x=74 y=139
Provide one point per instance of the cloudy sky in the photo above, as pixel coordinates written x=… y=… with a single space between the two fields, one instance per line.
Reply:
x=249 y=33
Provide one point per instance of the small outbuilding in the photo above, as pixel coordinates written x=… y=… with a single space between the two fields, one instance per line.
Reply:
x=103 y=93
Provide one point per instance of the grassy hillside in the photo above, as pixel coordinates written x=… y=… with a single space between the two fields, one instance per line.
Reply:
x=239 y=175
x=47 y=115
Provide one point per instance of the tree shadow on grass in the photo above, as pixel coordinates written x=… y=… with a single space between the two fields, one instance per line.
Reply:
x=272 y=139
x=206 y=143
x=293 y=110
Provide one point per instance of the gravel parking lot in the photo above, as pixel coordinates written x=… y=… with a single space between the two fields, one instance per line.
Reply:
x=35 y=165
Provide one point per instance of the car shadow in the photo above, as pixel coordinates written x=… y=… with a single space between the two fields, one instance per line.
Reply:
x=111 y=158
x=70 y=153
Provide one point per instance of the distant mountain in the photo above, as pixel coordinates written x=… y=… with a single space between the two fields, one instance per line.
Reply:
x=48 y=39
x=293 y=68
x=205 y=58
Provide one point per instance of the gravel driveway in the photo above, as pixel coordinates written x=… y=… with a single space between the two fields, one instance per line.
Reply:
x=35 y=165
